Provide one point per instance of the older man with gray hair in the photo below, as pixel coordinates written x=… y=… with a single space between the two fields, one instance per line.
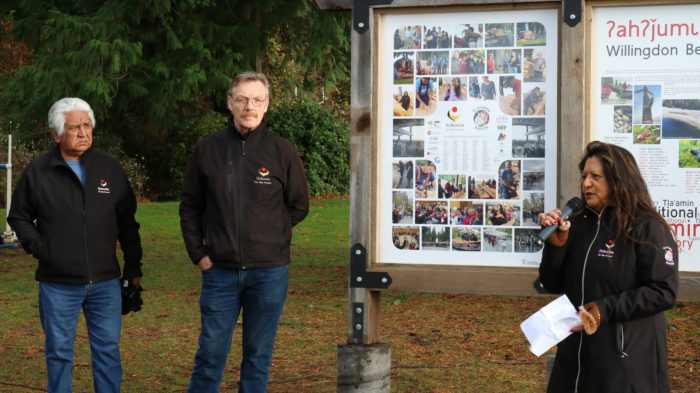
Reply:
x=70 y=208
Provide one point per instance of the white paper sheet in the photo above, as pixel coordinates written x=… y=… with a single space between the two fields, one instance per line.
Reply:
x=550 y=325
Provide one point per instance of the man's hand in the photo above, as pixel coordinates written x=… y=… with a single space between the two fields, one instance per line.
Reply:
x=205 y=263
x=136 y=281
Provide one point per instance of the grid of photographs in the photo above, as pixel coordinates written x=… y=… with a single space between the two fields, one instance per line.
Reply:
x=500 y=69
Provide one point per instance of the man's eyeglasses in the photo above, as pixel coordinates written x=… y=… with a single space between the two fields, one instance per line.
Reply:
x=243 y=101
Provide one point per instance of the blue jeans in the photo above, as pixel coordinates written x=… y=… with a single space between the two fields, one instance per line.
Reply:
x=504 y=193
x=261 y=294
x=59 y=308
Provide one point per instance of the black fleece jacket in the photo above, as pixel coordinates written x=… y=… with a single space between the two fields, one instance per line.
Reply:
x=241 y=197
x=73 y=229
x=632 y=283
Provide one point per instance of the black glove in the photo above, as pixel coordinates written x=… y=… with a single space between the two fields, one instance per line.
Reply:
x=131 y=297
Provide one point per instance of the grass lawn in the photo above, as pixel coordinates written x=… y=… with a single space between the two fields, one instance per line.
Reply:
x=440 y=342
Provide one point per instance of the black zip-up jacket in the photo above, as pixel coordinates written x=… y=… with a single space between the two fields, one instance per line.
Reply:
x=241 y=197
x=73 y=229
x=632 y=283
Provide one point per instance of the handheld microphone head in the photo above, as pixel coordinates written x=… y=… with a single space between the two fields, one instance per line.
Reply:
x=571 y=206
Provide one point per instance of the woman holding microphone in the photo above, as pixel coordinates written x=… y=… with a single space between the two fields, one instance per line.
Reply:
x=615 y=259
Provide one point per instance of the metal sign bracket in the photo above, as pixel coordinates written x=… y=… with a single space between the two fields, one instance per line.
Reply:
x=572 y=12
x=360 y=277
x=360 y=13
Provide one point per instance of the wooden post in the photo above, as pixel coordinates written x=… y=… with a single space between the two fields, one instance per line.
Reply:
x=572 y=105
x=361 y=169
x=354 y=374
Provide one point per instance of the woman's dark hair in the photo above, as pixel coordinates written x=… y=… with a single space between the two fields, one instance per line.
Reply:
x=458 y=89
x=629 y=197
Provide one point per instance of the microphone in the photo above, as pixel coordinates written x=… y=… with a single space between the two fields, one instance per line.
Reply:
x=573 y=205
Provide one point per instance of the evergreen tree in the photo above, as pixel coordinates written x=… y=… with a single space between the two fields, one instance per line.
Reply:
x=150 y=68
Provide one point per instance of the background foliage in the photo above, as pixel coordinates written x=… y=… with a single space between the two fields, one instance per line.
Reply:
x=155 y=70
x=323 y=142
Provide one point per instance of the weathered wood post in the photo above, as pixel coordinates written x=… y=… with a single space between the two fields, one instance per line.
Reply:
x=363 y=364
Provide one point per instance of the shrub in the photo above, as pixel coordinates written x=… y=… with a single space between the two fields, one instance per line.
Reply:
x=322 y=140
x=167 y=163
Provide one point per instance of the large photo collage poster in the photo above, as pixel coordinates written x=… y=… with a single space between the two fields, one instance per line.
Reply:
x=467 y=136
x=646 y=98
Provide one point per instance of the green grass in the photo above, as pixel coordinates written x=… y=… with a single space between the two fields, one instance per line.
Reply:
x=440 y=343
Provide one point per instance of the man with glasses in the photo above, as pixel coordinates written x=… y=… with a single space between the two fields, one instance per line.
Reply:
x=244 y=191
x=69 y=209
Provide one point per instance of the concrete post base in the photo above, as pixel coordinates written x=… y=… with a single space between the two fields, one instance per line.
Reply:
x=363 y=368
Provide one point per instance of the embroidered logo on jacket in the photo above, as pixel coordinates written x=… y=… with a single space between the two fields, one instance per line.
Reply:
x=609 y=252
x=668 y=255
x=263 y=176
x=102 y=187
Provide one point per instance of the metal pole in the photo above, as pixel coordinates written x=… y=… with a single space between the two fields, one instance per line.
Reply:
x=9 y=235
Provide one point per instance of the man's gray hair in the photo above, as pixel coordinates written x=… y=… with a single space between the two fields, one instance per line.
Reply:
x=57 y=113
x=249 y=76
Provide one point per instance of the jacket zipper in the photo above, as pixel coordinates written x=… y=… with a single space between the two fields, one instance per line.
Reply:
x=85 y=226
x=85 y=241
x=583 y=289
x=242 y=199
x=621 y=340
x=229 y=174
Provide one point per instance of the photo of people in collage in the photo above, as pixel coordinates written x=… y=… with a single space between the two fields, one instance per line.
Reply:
x=502 y=68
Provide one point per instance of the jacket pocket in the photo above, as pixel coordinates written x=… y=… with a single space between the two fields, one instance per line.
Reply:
x=39 y=250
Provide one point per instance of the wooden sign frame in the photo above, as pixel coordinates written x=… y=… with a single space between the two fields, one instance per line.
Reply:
x=442 y=278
